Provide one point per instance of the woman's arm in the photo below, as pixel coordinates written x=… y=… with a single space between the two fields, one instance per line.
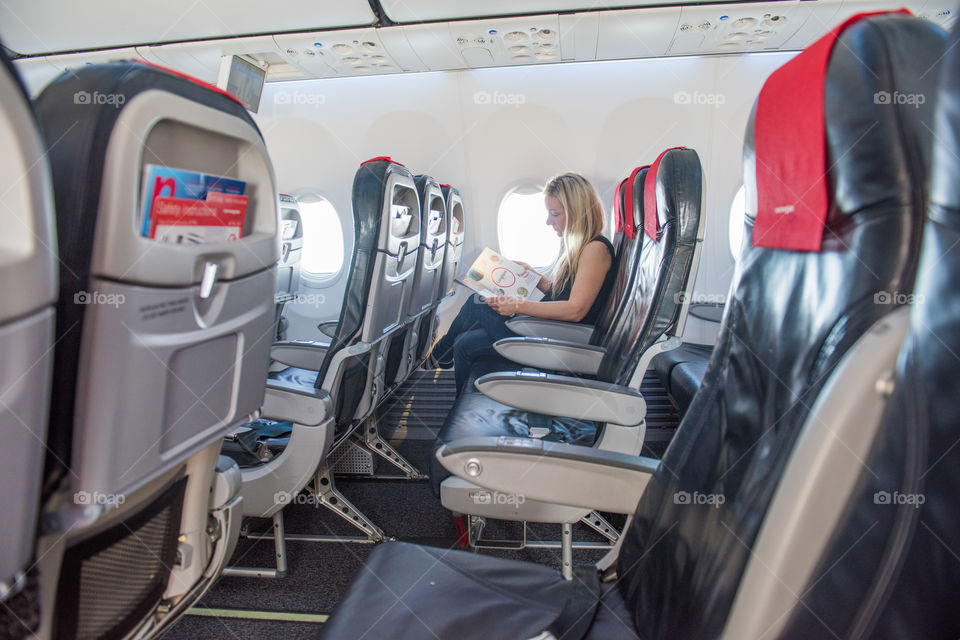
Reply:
x=544 y=283
x=595 y=261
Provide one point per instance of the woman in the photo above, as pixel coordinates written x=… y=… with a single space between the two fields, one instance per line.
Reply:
x=582 y=280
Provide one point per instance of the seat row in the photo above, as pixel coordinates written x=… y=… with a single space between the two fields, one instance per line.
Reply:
x=810 y=489
x=408 y=242
x=579 y=383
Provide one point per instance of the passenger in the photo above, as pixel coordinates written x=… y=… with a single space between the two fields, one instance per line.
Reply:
x=582 y=280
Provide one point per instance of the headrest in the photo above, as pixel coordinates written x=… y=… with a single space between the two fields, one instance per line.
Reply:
x=378 y=158
x=629 y=221
x=651 y=219
x=790 y=144
x=618 y=207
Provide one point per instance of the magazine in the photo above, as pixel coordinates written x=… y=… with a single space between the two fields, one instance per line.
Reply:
x=493 y=275
x=184 y=206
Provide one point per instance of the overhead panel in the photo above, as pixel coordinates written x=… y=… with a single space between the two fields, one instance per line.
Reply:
x=471 y=44
x=351 y=52
x=510 y=41
x=738 y=28
x=202 y=59
x=408 y=11
x=636 y=33
x=31 y=27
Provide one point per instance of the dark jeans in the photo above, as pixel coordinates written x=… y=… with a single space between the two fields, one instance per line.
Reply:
x=471 y=337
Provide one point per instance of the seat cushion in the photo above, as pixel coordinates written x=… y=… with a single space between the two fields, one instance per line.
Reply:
x=681 y=386
x=295 y=378
x=474 y=415
x=411 y=591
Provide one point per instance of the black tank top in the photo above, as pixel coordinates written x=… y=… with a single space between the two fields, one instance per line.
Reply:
x=601 y=300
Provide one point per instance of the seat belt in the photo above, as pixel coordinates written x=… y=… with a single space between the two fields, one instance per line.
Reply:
x=579 y=609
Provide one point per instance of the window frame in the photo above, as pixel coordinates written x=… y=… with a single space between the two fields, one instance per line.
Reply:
x=523 y=188
x=316 y=279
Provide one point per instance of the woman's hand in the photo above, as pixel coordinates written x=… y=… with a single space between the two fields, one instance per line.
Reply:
x=526 y=268
x=544 y=283
x=505 y=305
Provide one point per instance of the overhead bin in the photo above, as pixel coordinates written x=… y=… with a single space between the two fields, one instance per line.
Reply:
x=37 y=27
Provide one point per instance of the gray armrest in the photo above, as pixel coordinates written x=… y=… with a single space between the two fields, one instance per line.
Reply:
x=555 y=355
x=551 y=471
x=303 y=405
x=303 y=354
x=531 y=327
x=565 y=396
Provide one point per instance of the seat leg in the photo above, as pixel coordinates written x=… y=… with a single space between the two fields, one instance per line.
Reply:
x=376 y=444
x=332 y=499
x=599 y=524
x=280 y=551
x=566 y=550
x=475 y=526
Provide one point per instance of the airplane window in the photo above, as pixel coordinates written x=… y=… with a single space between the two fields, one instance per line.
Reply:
x=322 y=239
x=736 y=222
x=524 y=234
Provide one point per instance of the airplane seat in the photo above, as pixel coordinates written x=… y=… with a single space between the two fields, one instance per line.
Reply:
x=453 y=254
x=626 y=199
x=164 y=326
x=291 y=253
x=387 y=231
x=803 y=352
x=320 y=393
x=900 y=520
x=681 y=371
x=605 y=409
x=423 y=299
x=28 y=287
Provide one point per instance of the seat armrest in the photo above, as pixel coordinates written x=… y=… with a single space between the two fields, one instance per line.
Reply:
x=592 y=478
x=555 y=355
x=302 y=354
x=329 y=329
x=301 y=405
x=528 y=326
x=565 y=396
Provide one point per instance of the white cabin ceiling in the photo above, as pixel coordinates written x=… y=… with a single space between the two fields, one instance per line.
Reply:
x=638 y=32
x=42 y=26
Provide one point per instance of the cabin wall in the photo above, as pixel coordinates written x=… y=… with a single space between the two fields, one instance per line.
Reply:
x=490 y=130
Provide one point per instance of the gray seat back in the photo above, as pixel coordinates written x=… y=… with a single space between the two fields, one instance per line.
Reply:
x=291 y=246
x=28 y=282
x=456 y=219
x=162 y=346
x=433 y=241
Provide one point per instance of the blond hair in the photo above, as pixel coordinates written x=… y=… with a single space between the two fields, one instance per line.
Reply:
x=584 y=222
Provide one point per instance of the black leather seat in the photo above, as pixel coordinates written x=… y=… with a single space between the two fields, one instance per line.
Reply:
x=791 y=319
x=896 y=549
x=681 y=371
